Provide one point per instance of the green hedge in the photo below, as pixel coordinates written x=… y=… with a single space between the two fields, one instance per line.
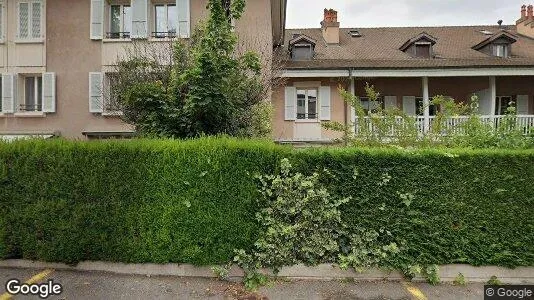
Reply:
x=194 y=201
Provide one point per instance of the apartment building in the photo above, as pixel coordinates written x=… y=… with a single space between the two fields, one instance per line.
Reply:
x=56 y=55
x=408 y=66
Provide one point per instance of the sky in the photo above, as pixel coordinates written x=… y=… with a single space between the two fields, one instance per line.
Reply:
x=391 y=13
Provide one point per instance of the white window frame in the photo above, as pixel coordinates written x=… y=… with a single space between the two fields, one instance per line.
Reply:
x=306 y=104
x=163 y=34
x=30 y=36
x=502 y=47
x=36 y=79
x=499 y=106
x=122 y=32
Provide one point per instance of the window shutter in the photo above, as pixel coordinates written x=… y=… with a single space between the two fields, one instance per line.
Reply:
x=36 y=20
x=96 y=98
x=49 y=92
x=139 y=19
x=408 y=105
x=291 y=103
x=2 y=20
x=24 y=20
x=8 y=93
x=390 y=102
x=324 y=100
x=97 y=19
x=522 y=104
x=184 y=18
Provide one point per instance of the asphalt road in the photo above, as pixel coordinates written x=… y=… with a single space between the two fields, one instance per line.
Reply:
x=91 y=285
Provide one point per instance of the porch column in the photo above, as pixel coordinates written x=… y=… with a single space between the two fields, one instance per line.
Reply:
x=493 y=96
x=426 y=104
x=352 y=113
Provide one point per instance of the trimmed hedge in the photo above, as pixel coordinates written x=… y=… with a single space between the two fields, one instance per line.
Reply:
x=194 y=201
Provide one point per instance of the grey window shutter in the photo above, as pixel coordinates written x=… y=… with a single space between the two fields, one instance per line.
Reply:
x=24 y=20
x=97 y=19
x=184 y=18
x=96 y=104
x=324 y=100
x=8 y=93
x=408 y=105
x=36 y=20
x=139 y=19
x=290 y=103
x=49 y=92
x=390 y=101
x=522 y=104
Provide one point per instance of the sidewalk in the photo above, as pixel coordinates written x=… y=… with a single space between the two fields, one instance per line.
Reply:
x=96 y=285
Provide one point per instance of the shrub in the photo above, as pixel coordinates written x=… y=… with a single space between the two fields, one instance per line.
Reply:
x=195 y=201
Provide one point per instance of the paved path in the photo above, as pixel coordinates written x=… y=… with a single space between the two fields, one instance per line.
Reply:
x=89 y=285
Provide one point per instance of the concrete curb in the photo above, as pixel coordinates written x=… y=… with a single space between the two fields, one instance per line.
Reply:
x=523 y=275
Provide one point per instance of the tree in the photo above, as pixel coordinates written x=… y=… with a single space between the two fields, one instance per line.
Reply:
x=197 y=87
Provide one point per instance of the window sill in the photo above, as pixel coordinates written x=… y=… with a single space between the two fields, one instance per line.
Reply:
x=116 y=40
x=165 y=39
x=307 y=121
x=112 y=114
x=29 y=41
x=30 y=114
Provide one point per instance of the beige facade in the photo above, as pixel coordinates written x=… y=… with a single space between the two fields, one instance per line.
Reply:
x=68 y=50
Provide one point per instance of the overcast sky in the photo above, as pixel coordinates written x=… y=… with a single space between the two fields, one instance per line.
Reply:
x=385 y=13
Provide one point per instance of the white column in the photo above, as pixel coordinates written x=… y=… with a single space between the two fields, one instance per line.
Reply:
x=352 y=112
x=426 y=104
x=493 y=95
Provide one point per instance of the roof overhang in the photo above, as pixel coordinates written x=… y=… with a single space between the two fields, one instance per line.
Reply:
x=278 y=20
x=436 y=72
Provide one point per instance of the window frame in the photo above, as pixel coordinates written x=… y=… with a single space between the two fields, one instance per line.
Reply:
x=499 y=106
x=306 y=105
x=30 y=36
x=121 y=34
x=503 y=47
x=419 y=107
x=38 y=101
x=163 y=34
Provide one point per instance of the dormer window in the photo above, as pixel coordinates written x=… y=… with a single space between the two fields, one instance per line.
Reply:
x=497 y=45
x=420 y=46
x=302 y=47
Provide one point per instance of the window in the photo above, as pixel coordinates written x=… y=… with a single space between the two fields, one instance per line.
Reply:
x=166 y=20
x=307 y=104
x=1 y=93
x=500 y=50
x=29 y=20
x=111 y=100
x=422 y=50
x=120 y=22
x=33 y=89
x=420 y=107
x=371 y=106
x=502 y=105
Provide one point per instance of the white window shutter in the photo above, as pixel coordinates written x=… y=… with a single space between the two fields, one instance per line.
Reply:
x=290 y=103
x=324 y=101
x=184 y=18
x=24 y=20
x=97 y=19
x=8 y=93
x=96 y=104
x=49 y=92
x=390 y=102
x=522 y=104
x=408 y=105
x=36 y=19
x=139 y=19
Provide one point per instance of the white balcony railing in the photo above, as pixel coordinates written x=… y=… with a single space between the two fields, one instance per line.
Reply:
x=391 y=126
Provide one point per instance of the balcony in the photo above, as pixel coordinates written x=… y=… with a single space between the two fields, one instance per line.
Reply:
x=393 y=126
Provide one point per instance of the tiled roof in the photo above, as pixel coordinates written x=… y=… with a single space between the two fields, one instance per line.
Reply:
x=379 y=48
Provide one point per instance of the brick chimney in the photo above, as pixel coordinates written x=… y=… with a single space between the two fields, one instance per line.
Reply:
x=330 y=27
x=525 y=25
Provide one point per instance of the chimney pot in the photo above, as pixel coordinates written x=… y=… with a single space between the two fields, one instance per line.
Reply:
x=523 y=11
x=530 y=11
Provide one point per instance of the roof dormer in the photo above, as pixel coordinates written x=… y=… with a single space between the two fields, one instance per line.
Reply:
x=302 y=47
x=420 y=46
x=499 y=44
